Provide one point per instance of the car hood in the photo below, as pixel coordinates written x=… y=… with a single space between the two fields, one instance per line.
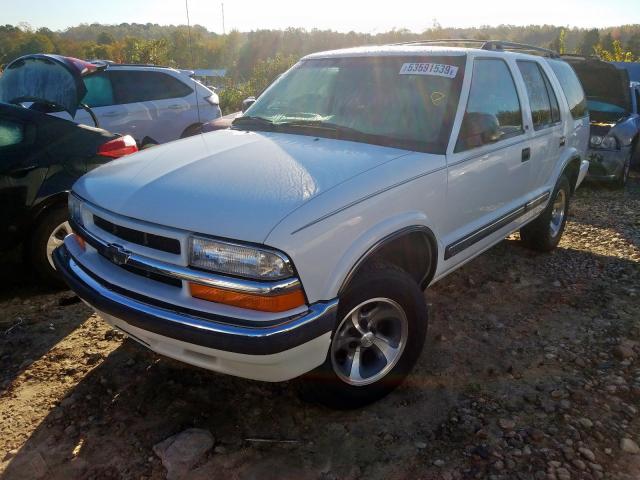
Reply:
x=228 y=183
x=603 y=81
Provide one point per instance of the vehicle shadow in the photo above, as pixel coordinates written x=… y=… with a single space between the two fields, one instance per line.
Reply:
x=33 y=319
x=495 y=324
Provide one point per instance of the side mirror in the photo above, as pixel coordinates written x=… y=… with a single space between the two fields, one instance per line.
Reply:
x=479 y=129
x=247 y=102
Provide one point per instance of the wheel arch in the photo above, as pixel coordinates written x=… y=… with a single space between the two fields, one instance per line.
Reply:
x=414 y=249
x=187 y=131
x=56 y=200
x=572 y=170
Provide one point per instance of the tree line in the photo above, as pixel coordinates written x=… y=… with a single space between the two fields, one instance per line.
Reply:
x=253 y=59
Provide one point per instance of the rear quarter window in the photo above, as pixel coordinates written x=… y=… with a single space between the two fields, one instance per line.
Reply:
x=571 y=87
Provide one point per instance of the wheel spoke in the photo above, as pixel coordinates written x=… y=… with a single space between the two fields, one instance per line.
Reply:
x=383 y=346
x=355 y=320
x=354 y=368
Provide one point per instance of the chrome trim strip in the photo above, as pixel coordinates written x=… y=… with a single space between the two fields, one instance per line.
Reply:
x=537 y=201
x=316 y=311
x=367 y=197
x=465 y=242
x=177 y=272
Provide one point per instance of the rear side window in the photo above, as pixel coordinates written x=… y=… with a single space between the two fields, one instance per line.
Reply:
x=11 y=133
x=571 y=87
x=131 y=86
x=543 y=102
x=99 y=90
x=493 y=111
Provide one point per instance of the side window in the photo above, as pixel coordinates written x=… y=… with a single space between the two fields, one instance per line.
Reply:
x=543 y=102
x=11 y=133
x=144 y=86
x=493 y=111
x=637 y=99
x=99 y=90
x=571 y=87
x=555 y=106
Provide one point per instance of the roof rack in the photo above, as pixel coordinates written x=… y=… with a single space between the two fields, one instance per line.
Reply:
x=492 y=45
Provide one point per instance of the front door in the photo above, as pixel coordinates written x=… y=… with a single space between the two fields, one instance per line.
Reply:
x=488 y=170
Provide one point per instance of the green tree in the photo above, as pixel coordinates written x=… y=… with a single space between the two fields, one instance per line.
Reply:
x=590 y=40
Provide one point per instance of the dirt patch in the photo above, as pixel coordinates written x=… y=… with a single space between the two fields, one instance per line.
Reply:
x=530 y=371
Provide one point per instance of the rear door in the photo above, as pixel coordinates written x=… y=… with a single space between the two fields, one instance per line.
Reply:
x=548 y=139
x=156 y=105
x=488 y=176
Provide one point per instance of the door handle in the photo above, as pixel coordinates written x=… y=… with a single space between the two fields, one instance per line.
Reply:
x=111 y=114
x=563 y=141
x=526 y=154
x=175 y=107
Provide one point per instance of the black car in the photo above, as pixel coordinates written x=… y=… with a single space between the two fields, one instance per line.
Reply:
x=41 y=155
x=615 y=123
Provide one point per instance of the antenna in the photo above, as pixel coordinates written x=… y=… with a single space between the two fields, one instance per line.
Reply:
x=195 y=84
x=224 y=32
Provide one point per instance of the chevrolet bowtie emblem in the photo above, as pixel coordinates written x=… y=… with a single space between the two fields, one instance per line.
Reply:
x=117 y=254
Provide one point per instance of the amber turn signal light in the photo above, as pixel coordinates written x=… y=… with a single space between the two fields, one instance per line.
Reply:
x=273 y=303
x=80 y=241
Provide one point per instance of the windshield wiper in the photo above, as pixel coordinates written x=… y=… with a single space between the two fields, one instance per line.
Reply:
x=251 y=121
x=322 y=125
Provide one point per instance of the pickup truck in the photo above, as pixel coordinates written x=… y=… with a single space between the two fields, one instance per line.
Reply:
x=300 y=241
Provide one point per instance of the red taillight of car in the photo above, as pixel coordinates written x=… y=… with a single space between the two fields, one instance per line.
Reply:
x=118 y=147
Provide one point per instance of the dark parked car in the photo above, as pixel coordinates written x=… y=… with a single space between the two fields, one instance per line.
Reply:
x=633 y=68
x=612 y=101
x=41 y=155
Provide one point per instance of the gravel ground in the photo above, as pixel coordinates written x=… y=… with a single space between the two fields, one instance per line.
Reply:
x=530 y=371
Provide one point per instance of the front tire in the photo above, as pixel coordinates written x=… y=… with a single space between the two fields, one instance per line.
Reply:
x=381 y=328
x=49 y=234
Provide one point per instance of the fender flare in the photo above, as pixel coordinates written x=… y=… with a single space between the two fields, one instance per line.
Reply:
x=371 y=241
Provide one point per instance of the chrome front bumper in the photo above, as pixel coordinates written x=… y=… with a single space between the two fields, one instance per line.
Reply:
x=192 y=327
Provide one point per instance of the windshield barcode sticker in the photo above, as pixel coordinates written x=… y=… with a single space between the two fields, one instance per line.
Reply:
x=437 y=69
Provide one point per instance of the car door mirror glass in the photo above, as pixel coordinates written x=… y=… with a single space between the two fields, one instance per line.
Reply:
x=247 y=102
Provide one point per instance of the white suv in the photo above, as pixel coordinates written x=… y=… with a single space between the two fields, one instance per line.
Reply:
x=152 y=104
x=301 y=239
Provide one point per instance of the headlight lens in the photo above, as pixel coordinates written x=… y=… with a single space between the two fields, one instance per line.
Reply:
x=607 y=142
x=240 y=260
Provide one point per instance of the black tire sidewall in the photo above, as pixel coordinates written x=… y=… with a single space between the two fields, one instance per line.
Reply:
x=381 y=282
x=47 y=222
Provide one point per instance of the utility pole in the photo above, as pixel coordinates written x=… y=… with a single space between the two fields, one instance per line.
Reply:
x=224 y=32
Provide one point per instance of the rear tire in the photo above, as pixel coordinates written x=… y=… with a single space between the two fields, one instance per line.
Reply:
x=52 y=227
x=544 y=233
x=367 y=362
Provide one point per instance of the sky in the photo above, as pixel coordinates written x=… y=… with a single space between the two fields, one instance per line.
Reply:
x=342 y=15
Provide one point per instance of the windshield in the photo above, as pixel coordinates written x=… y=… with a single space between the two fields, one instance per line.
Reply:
x=401 y=102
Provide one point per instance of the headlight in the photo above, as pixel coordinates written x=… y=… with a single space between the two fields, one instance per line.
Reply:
x=606 y=142
x=240 y=260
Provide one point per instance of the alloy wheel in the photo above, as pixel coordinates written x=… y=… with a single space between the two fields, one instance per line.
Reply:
x=369 y=341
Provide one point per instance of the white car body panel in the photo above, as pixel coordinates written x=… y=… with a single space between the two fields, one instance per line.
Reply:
x=327 y=203
x=232 y=184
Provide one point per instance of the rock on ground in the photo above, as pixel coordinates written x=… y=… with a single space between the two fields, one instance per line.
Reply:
x=181 y=452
